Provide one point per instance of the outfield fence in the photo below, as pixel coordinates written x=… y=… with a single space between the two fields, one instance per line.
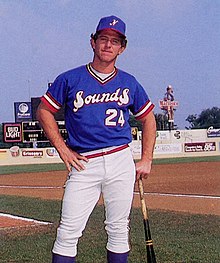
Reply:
x=169 y=144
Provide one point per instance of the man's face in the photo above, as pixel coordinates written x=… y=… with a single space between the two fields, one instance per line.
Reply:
x=107 y=46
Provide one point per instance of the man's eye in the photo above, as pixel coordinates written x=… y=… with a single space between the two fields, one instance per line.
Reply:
x=116 y=41
x=103 y=38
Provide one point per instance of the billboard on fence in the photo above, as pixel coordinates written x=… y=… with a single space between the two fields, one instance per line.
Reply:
x=200 y=147
x=211 y=132
x=168 y=148
x=12 y=132
x=22 y=111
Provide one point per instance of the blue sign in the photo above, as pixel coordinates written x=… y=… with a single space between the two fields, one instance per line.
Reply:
x=211 y=132
x=23 y=111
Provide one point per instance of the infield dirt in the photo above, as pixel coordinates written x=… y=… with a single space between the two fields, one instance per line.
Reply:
x=183 y=187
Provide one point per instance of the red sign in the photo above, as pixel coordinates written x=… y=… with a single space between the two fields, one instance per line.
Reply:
x=32 y=153
x=200 y=147
x=168 y=103
x=12 y=132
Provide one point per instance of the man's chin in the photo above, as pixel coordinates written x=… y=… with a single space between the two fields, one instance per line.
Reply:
x=108 y=58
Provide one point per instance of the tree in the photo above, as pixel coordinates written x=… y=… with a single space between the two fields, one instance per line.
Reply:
x=135 y=123
x=207 y=118
x=161 y=121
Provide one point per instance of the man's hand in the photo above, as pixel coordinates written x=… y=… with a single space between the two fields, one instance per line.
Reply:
x=72 y=159
x=143 y=169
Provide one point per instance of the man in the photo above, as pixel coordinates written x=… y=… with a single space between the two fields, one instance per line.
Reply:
x=98 y=98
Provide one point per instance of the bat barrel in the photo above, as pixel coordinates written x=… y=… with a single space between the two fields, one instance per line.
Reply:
x=151 y=258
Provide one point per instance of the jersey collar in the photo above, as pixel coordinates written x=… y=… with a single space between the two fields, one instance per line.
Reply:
x=102 y=81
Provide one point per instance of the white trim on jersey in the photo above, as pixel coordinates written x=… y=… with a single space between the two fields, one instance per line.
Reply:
x=147 y=106
x=51 y=102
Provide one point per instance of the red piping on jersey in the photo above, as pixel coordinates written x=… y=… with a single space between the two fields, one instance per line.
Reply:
x=45 y=101
x=146 y=112
x=120 y=148
x=54 y=100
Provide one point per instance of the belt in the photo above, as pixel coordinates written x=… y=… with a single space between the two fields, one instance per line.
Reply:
x=117 y=149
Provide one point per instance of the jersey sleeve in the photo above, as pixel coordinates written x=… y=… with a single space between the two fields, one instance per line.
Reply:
x=55 y=96
x=142 y=105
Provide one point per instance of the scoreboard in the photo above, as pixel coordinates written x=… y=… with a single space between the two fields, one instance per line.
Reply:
x=32 y=131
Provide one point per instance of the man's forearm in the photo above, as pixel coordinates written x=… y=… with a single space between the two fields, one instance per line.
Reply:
x=50 y=128
x=143 y=167
x=148 y=137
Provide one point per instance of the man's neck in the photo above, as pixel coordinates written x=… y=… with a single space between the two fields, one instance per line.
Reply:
x=103 y=67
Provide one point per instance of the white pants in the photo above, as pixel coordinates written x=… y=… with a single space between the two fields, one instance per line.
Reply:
x=113 y=175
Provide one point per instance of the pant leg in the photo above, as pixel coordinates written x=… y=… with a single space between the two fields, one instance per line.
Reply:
x=118 y=195
x=80 y=197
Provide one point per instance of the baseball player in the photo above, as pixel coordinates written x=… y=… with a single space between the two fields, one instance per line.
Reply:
x=98 y=99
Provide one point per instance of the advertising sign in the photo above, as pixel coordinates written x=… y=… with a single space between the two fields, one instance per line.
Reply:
x=12 y=132
x=211 y=132
x=23 y=111
x=200 y=147
x=32 y=153
x=167 y=148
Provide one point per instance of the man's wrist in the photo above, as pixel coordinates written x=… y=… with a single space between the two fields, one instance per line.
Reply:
x=147 y=158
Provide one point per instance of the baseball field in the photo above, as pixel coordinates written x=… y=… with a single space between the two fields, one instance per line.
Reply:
x=183 y=197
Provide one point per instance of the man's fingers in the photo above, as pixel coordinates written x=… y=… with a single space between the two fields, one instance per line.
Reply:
x=74 y=164
x=74 y=160
x=141 y=173
x=77 y=162
x=81 y=157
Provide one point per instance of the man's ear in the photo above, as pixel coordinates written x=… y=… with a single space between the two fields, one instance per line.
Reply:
x=121 y=50
x=92 y=43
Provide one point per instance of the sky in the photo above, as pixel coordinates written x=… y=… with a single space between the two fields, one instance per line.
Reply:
x=170 y=42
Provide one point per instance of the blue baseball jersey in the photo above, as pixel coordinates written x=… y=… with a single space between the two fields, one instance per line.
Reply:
x=96 y=110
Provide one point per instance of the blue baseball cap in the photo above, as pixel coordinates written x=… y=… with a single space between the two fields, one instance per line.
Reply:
x=113 y=23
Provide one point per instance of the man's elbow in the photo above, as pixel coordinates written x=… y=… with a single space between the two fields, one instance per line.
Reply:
x=43 y=112
x=39 y=112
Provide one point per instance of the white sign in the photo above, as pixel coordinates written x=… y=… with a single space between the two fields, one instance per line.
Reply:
x=167 y=148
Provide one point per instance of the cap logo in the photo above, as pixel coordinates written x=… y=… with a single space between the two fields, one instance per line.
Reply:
x=114 y=22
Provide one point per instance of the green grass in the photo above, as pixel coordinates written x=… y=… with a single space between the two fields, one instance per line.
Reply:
x=31 y=168
x=178 y=237
x=28 y=168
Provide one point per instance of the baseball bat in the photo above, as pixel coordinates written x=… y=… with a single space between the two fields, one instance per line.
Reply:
x=151 y=258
